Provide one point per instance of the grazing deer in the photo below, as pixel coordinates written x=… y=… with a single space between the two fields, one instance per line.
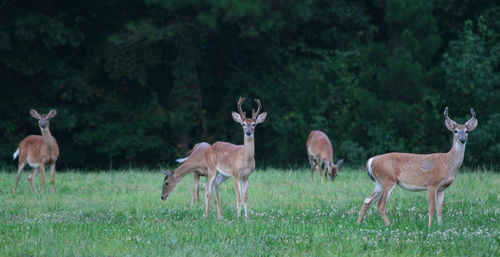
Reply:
x=196 y=174
x=38 y=151
x=226 y=160
x=416 y=172
x=194 y=163
x=319 y=151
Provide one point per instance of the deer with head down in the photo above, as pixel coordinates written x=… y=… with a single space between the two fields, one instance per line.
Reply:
x=194 y=162
x=320 y=153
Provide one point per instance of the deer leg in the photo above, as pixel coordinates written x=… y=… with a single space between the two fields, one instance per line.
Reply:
x=432 y=203
x=196 y=185
x=312 y=163
x=387 y=190
x=198 y=189
x=42 y=175
x=318 y=166
x=52 y=178
x=31 y=176
x=219 y=209
x=218 y=181
x=440 y=199
x=377 y=193
x=244 y=185
x=237 y=189
x=20 y=167
x=208 y=193
x=205 y=190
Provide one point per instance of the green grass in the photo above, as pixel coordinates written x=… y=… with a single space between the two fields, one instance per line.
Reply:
x=121 y=214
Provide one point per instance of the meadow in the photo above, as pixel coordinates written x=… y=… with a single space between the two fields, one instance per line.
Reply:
x=119 y=213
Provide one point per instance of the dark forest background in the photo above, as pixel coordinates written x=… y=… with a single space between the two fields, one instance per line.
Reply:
x=137 y=83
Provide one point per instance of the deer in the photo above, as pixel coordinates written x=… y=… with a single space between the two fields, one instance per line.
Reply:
x=196 y=174
x=193 y=162
x=320 y=152
x=226 y=160
x=417 y=172
x=38 y=151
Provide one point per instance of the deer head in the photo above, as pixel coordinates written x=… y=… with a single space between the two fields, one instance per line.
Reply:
x=333 y=169
x=168 y=184
x=249 y=123
x=460 y=132
x=43 y=119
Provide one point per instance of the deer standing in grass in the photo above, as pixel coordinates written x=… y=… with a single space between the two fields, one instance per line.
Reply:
x=38 y=151
x=320 y=152
x=226 y=160
x=194 y=163
x=417 y=172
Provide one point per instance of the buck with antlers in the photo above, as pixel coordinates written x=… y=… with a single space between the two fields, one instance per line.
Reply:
x=226 y=160
x=195 y=163
x=416 y=172
x=38 y=151
x=320 y=152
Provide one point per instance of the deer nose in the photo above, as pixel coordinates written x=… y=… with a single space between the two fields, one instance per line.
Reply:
x=163 y=197
x=462 y=141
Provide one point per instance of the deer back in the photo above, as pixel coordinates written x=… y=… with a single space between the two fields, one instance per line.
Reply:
x=319 y=145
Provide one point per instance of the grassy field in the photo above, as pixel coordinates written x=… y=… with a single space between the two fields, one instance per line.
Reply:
x=121 y=214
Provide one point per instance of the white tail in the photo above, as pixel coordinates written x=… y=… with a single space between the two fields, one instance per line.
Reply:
x=236 y=161
x=181 y=160
x=320 y=152
x=416 y=172
x=38 y=151
x=14 y=155
x=194 y=163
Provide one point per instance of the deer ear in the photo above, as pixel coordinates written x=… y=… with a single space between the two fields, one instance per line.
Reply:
x=261 y=118
x=167 y=172
x=236 y=117
x=34 y=114
x=52 y=113
x=472 y=123
x=339 y=163
x=449 y=123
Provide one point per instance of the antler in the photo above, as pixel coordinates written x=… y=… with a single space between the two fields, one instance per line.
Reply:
x=259 y=108
x=446 y=112
x=472 y=122
x=242 y=113
x=473 y=113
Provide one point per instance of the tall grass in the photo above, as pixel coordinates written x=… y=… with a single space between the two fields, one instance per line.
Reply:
x=121 y=214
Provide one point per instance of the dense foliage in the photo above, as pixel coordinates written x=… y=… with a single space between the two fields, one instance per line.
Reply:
x=136 y=83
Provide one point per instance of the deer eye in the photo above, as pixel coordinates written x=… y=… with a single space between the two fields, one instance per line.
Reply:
x=456 y=131
x=253 y=124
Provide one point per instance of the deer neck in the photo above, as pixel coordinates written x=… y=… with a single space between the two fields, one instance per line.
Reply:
x=48 y=139
x=180 y=172
x=248 y=148
x=456 y=155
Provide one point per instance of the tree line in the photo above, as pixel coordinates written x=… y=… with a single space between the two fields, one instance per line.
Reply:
x=137 y=83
